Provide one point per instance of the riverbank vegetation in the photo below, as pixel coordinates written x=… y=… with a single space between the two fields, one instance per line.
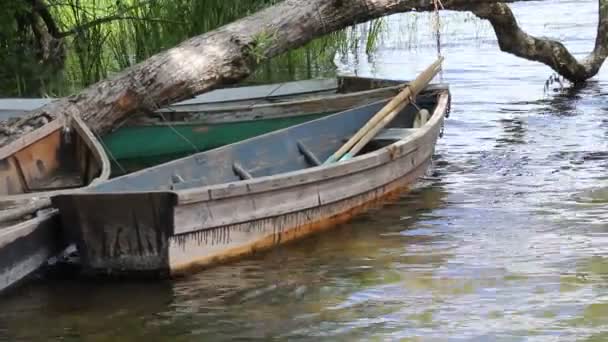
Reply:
x=57 y=47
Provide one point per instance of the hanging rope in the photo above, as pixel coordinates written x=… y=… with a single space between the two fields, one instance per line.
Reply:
x=110 y=154
x=437 y=28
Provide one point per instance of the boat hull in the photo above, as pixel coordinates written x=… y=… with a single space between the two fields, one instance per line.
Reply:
x=42 y=163
x=169 y=233
x=201 y=249
x=26 y=246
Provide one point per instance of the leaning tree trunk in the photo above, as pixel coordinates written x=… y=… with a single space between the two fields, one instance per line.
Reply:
x=230 y=53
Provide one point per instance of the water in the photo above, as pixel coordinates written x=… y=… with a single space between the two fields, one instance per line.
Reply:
x=505 y=242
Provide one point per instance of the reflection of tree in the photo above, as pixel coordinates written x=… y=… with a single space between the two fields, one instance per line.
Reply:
x=514 y=132
x=323 y=277
x=565 y=100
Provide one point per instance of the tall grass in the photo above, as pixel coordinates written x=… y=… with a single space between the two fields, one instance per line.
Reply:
x=150 y=26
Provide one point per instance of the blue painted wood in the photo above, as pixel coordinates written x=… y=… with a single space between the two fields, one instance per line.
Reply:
x=266 y=155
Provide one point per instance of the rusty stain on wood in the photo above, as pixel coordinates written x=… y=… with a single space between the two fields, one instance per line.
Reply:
x=283 y=232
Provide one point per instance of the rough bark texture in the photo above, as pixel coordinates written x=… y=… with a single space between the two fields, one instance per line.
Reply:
x=230 y=53
x=512 y=39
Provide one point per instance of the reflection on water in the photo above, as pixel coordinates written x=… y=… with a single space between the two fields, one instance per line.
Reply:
x=504 y=241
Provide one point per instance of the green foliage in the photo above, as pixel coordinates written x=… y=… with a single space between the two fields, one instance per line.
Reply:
x=106 y=36
x=260 y=44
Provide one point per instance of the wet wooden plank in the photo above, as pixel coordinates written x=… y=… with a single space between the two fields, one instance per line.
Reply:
x=201 y=249
x=264 y=91
x=26 y=246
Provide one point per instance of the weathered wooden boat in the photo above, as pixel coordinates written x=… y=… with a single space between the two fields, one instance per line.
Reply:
x=235 y=200
x=229 y=115
x=59 y=157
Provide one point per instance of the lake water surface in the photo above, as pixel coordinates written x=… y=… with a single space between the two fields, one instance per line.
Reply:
x=505 y=241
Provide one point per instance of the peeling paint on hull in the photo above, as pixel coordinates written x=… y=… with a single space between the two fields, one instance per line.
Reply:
x=324 y=218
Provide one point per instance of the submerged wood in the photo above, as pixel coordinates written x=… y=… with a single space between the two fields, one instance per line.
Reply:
x=155 y=226
x=45 y=162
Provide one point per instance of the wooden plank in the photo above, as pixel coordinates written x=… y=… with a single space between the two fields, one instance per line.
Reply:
x=12 y=179
x=300 y=177
x=95 y=149
x=257 y=92
x=40 y=160
x=280 y=201
x=26 y=246
x=203 y=249
x=30 y=138
x=390 y=110
x=310 y=157
x=206 y=115
x=203 y=215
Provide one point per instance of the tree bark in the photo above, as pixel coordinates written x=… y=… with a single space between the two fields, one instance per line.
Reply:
x=230 y=53
x=512 y=39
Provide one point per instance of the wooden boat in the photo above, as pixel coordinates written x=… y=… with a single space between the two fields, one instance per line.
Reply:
x=228 y=115
x=57 y=158
x=248 y=196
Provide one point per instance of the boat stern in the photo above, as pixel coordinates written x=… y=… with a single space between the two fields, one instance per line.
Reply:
x=118 y=233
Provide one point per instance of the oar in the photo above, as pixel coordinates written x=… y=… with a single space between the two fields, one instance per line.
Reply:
x=403 y=97
x=372 y=133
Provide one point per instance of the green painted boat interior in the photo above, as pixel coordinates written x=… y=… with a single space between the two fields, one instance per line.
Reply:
x=132 y=148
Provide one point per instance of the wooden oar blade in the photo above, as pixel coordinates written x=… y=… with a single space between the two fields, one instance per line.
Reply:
x=399 y=101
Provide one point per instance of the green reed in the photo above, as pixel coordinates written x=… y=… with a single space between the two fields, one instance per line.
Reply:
x=141 y=28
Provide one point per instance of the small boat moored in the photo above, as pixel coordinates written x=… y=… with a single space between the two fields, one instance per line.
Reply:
x=251 y=195
x=59 y=157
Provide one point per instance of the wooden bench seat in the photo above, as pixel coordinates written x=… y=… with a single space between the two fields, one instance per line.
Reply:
x=391 y=134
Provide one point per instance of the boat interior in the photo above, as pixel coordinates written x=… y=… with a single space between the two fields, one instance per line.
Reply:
x=277 y=93
x=52 y=160
x=295 y=148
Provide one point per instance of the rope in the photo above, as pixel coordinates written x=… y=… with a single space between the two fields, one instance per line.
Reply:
x=155 y=106
x=110 y=154
x=183 y=137
x=437 y=27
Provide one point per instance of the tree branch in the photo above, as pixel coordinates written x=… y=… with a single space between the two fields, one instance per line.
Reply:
x=512 y=39
x=108 y=19
x=41 y=8
x=231 y=53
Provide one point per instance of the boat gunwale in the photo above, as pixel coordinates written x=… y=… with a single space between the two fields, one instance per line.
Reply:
x=320 y=81
x=338 y=79
x=226 y=112
x=314 y=174
x=31 y=137
x=240 y=108
x=11 y=233
x=87 y=136
x=290 y=179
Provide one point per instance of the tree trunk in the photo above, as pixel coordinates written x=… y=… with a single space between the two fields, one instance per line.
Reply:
x=228 y=55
